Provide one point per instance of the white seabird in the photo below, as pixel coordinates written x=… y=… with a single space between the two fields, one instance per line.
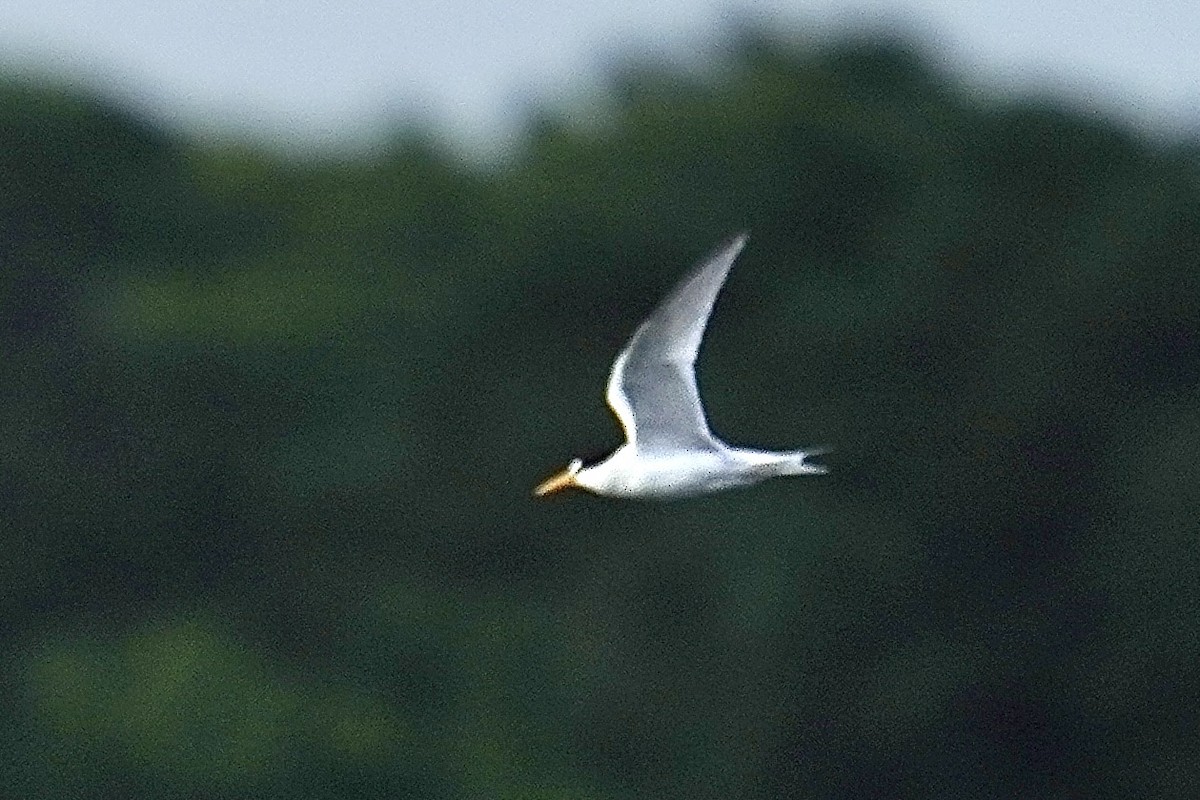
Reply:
x=669 y=450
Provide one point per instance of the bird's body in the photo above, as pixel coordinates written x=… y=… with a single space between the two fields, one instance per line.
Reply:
x=669 y=450
x=626 y=473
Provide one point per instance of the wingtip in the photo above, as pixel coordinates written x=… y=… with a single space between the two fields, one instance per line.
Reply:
x=733 y=245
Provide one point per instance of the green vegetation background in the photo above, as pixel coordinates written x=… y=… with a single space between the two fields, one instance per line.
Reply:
x=270 y=424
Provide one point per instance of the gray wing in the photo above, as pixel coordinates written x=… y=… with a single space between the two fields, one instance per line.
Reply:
x=652 y=388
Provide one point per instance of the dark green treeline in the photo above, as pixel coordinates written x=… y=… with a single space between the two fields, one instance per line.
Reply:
x=268 y=428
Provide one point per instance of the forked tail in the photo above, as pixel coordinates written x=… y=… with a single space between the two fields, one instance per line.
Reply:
x=795 y=462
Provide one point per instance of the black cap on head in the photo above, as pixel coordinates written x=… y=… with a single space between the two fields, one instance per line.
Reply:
x=594 y=457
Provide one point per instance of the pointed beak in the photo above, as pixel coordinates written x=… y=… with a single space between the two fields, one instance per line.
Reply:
x=563 y=480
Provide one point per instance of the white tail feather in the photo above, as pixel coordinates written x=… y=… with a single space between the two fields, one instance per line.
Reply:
x=795 y=463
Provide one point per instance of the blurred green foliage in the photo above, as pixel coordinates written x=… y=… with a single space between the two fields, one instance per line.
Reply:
x=269 y=428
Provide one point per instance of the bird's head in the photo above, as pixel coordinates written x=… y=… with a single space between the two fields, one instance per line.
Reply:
x=563 y=480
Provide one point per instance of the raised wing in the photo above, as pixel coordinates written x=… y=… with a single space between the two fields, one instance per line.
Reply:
x=652 y=388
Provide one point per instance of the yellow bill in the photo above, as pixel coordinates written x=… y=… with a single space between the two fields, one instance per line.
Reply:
x=563 y=480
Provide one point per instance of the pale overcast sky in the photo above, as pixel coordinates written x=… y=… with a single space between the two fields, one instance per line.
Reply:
x=320 y=71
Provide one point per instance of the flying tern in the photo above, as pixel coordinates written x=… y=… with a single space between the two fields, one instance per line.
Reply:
x=669 y=450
